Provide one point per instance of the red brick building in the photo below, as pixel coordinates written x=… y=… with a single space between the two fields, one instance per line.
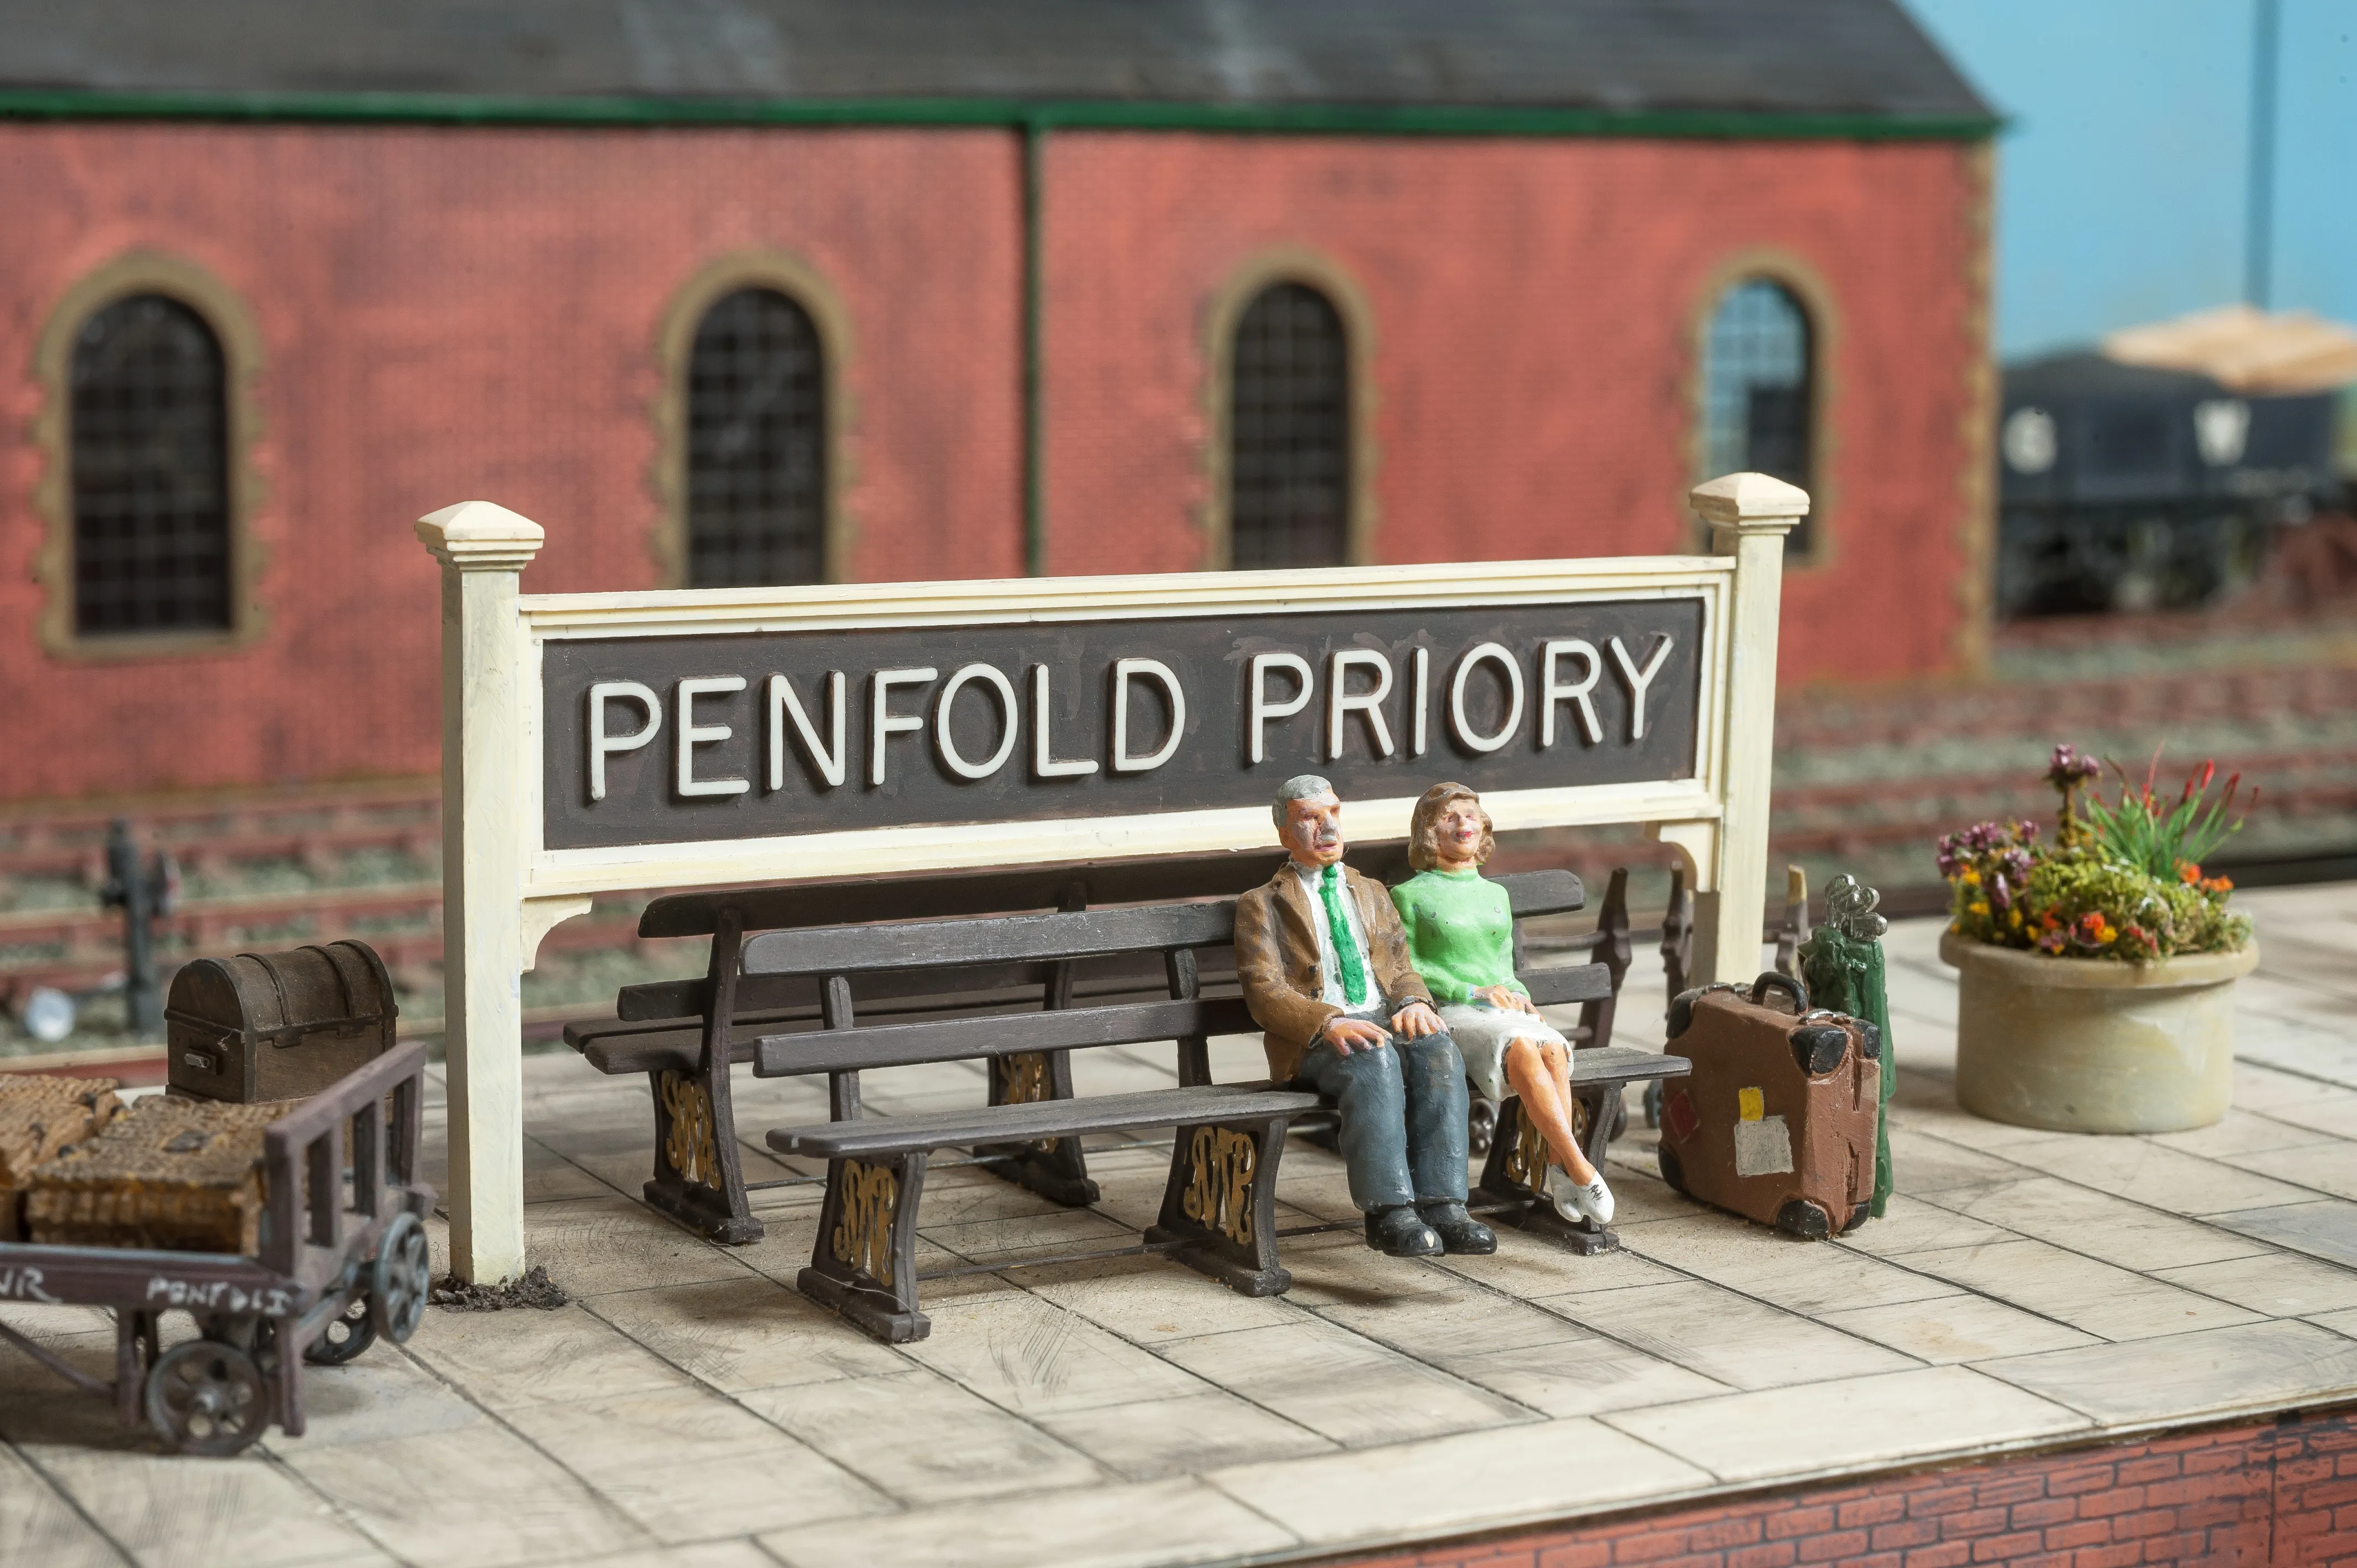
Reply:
x=793 y=289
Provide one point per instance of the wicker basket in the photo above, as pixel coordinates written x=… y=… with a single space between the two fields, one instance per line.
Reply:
x=41 y=1117
x=176 y=1174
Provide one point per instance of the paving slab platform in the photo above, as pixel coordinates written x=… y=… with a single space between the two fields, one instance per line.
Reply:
x=2027 y=1291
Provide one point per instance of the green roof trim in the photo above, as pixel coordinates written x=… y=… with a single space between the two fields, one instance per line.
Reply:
x=1309 y=119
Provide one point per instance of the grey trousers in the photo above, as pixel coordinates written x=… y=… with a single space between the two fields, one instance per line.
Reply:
x=1403 y=1110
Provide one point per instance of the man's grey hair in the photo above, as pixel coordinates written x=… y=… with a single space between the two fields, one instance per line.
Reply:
x=1300 y=787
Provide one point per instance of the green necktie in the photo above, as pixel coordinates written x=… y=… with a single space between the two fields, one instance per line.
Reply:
x=1346 y=951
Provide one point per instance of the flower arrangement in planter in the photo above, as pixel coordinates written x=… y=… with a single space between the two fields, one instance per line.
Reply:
x=2097 y=972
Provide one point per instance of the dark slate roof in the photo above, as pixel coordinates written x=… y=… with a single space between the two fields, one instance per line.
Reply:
x=1795 y=57
x=2083 y=373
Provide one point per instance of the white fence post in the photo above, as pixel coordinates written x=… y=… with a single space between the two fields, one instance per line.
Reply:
x=1753 y=513
x=484 y=550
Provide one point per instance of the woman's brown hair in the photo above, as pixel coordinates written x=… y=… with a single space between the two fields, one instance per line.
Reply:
x=1422 y=827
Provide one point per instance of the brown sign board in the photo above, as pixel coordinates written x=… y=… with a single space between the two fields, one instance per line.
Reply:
x=679 y=739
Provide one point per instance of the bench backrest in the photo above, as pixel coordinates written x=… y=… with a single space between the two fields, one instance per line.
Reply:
x=900 y=964
x=1173 y=931
x=1013 y=939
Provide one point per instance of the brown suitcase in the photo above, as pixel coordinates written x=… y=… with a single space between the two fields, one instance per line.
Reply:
x=1777 y=1121
x=277 y=1025
x=178 y=1174
x=41 y=1116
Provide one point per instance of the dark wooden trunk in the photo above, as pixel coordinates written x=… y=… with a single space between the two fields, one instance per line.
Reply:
x=281 y=1026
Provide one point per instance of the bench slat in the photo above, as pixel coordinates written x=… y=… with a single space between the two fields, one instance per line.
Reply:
x=857 y=950
x=1573 y=982
x=1039 y=1119
x=901 y=990
x=958 y=1039
x=1624 y=1064
x=1533 y=893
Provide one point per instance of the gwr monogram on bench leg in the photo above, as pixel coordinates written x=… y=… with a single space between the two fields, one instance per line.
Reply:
x=688 y=1150
x=1220 y=1207
x=861 y=1240
x=1220 y=1192
x=863 y=1264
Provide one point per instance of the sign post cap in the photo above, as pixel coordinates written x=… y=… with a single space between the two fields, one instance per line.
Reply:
x=481 y=536
x=1749 y=503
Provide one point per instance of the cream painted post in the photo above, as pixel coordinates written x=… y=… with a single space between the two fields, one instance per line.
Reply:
x=484 y=550
x=1753 y=513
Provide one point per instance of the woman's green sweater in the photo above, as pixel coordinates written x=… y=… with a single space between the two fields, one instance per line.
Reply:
x=1460 y=932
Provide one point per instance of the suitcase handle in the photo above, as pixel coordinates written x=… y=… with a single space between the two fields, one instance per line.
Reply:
x=1773 y=980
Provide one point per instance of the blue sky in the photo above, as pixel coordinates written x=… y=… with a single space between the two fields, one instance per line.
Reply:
x=2123 y=178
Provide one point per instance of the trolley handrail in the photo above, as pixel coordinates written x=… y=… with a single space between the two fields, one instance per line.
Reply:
x=308 y=1141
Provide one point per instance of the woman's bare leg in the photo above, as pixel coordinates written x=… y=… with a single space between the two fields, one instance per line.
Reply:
x=1542 y=1076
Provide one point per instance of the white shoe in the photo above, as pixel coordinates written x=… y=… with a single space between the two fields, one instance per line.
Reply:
x=1574 y=1201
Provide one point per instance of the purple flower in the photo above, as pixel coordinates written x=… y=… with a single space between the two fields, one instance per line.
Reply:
x=2067 y=767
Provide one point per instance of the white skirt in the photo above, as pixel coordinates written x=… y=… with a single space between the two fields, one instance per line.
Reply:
x=1481 y=1032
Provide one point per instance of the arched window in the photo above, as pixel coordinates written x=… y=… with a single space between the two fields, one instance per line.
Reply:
x=1759 y=398
x=756 y=482
x=150 y=465
x=1289 y=473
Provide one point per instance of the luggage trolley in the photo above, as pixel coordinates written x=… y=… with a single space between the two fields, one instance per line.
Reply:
x=343 y=1259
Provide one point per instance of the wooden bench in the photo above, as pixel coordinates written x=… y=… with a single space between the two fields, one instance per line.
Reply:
x=1022 y=993
x=667 y=1029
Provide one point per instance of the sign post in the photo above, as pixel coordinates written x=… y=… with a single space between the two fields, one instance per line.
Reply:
x=609 y=742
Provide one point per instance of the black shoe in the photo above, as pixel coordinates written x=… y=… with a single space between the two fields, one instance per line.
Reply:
x=1397 y=1231
x=1458 y=1231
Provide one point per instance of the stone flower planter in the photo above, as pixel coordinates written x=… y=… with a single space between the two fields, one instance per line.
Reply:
x=2089 y=1045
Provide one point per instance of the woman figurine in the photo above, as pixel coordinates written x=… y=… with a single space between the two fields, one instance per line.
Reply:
x=1460 y=936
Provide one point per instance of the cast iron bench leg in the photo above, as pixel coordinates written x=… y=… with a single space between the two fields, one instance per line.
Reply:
x=1055 y=1168
x=1221 y=1204
x=1516 y=1169
x=699 y=1176
x=863 y=1263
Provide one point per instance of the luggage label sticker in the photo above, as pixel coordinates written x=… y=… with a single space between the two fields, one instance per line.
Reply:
x=1763 y=1146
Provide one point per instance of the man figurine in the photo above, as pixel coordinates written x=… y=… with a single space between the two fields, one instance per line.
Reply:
x=1324 y=965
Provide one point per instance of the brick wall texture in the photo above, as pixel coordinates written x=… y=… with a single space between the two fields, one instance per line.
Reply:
x=449 y=313
x=2251 y=1497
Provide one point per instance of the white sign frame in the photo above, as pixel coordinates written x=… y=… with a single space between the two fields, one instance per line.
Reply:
x=503 y=890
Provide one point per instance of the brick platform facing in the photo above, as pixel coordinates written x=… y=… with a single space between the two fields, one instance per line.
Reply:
x=2284 y=1493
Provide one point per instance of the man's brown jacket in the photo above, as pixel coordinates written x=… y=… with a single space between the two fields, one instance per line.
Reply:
x=1276 y=960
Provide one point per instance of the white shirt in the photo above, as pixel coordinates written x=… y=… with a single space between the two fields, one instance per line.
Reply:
x=1311 y=875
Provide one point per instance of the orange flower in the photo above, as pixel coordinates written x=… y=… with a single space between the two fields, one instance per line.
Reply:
x=2188 y=873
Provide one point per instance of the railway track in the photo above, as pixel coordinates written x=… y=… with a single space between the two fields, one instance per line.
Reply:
x=315 y=828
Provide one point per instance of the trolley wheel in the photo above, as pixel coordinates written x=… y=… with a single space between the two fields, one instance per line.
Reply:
x=207 y=1398
x=403 y=1274
x=344 y=1338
